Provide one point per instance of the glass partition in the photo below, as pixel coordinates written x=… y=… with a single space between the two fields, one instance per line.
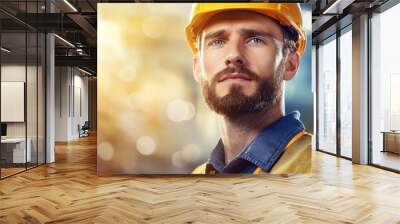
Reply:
x=22 y=77
x=346 y=93
x=41 y=88
x=31 y=100
x=385 y=90
x=327 y=96
x=14 y=153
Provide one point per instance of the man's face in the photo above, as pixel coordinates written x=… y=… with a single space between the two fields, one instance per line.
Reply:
x=240 y=63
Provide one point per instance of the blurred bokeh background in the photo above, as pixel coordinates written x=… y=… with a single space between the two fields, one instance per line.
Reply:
x=152 y=118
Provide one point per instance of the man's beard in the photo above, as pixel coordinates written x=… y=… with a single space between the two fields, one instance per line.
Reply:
x=236 y=103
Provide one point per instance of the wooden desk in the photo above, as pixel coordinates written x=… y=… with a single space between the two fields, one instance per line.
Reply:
x=391 y=141
x=16 y=148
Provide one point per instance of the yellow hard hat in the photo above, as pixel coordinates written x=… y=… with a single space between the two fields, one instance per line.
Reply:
x=288 y=14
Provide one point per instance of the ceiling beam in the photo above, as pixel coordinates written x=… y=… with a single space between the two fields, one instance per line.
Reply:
x=84 y=24
x=337 y=7
x=83 y=61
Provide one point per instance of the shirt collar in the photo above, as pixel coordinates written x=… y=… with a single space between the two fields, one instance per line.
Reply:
x=264 y=150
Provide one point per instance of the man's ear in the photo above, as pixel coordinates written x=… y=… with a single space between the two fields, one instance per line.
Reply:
x=196 y=68
x=291 y=66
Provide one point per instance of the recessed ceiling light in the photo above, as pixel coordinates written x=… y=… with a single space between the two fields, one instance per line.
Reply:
x=70 y=5
x=64 y=40
x=5 y=50
x=84 y=71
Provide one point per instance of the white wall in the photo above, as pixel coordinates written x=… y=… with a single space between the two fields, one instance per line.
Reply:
x=62 y=81
x=12 y=73
x=71 y=94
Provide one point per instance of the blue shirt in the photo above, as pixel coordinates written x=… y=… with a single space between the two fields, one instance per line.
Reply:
x=262 y=152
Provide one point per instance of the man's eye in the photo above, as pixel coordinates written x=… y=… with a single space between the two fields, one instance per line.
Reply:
x=216 y=43
x=255 y=40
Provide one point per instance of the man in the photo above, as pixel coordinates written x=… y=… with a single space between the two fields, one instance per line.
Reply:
x=243 y=54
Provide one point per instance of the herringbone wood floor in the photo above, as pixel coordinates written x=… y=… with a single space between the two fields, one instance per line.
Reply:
x=70 y=192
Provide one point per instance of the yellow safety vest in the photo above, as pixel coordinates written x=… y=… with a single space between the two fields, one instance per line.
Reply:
x=295 y=159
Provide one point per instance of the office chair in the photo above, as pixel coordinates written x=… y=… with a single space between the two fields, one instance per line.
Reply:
x=84 y=130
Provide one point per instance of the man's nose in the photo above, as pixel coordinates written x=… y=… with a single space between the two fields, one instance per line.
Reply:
x=234 y=57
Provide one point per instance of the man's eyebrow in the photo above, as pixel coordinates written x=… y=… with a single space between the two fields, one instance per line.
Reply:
x=214 y=34
x=253 y=32
x=244 y=31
